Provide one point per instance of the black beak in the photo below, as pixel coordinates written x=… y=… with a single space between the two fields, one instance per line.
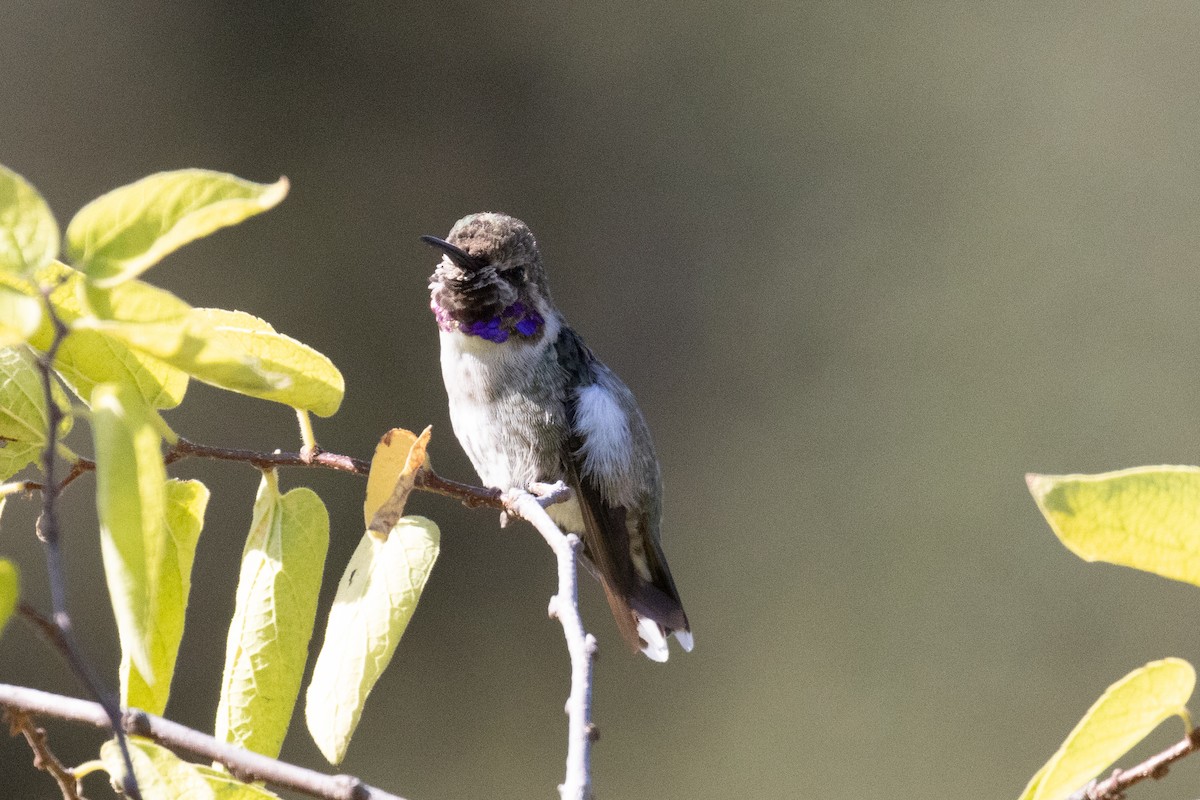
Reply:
x=459 y=256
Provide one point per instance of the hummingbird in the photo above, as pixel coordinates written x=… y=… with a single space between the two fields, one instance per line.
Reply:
x=531 y=404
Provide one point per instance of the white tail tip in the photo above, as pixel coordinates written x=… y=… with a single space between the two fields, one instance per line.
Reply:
x=656 y=640
x=656 y=643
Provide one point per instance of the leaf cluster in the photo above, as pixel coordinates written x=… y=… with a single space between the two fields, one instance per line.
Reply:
x=119 y=352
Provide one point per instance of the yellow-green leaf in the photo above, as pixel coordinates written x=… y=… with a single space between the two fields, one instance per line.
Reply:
x=185 y=505
x=10 y=590
x=20 y=316
x=398 y=457
x=23 y=419
x=300 y=376
x=1124 y=715
x=273 y=617
x=89 y=357
x=1147 y=517
x=131 y=502
x=121 y=234
x=161 y=775
x=227 y=787
x=375 y=600
x=28 y=232
x=239 y=352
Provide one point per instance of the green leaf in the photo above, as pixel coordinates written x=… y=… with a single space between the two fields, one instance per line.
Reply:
x=299 y=376
x=20 y=316
x=121 y=234
x=23 y=420
x=1124 y=715
x=185 y=505
x=28 y=232
x=161 y=775
x=89 y=357
x=1147 y=518
x=231 y=350
x=10 y=590
x=131 y=502
x=273 y=617
x=375 y=599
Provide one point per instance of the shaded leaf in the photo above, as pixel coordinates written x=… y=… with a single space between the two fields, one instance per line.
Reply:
x=398 y=458
x=28 y=232
x=274 y=616
x=375 y=600
x=185 y=505
x=123 y=233
x=131 y=503
x=1124 y=715
x=10 y=590
x=1147 y=517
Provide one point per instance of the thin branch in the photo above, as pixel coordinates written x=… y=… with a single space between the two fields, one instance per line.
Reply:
x=427 y=479
x=564 y=606
x=242 y=763
x=48 y=532
x=43 y=757
x=185 y=449
x=1155 y=766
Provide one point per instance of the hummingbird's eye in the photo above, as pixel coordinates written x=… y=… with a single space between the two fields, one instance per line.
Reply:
x=514 y=275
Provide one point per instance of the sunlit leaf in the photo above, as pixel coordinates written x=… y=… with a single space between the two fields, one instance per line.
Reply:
x=398 y=457
x=23 y=418
x=123 y=233
x=131 y=502
x=185 y=505
x=89 y=357
x=20 y=316
x=161 y=775
x=1124 y=715
x=375 y=600
x=28 y=232
x=1147 y=518
x=10 y=590
x=235 y=351
x=301 y=377
x=273 y=618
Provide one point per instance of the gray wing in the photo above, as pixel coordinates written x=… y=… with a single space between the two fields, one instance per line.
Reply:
x=614 y=474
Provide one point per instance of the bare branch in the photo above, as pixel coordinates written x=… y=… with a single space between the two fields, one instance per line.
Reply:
x=242 y=763
x=564 y=606
x=184 y=449
x=43 y=758
x=1155 y=766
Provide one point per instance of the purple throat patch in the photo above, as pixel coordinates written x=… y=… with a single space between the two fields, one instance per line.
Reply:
x=514 y=319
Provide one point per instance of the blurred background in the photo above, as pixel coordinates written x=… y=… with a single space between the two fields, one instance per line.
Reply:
x=864 y=265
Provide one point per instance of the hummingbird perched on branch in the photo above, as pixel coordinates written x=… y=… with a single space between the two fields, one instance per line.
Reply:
x=531 y=404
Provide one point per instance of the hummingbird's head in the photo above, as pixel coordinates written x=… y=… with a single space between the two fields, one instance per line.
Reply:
x=490 y=281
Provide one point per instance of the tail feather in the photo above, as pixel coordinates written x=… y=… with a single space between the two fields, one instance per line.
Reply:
x=654 y=639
